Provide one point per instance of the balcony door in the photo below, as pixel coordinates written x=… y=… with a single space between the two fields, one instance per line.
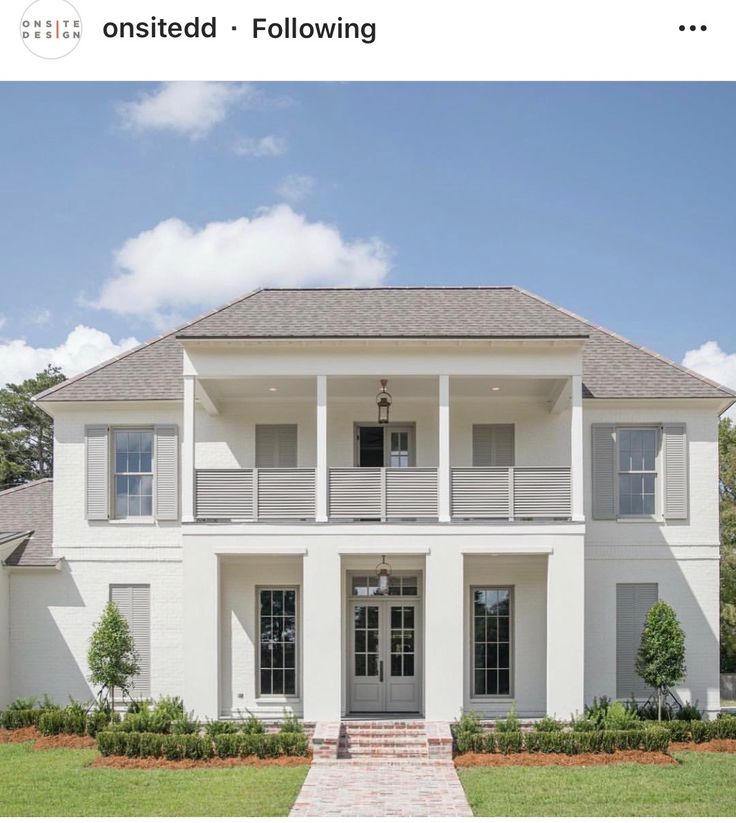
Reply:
x=385 y=446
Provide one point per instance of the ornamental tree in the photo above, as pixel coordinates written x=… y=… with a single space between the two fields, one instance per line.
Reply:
x=112 y=658
x=660 y=661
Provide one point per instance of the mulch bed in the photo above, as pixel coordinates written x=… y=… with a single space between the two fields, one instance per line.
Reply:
x=728 y=746
x=538 y=759
x=66 y=741
x=23 y=735
x=115 y=762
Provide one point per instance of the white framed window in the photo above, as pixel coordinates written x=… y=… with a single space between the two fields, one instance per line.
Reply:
x=278 y=641
x=637 y=450
x=132 y=473
x=492 y=633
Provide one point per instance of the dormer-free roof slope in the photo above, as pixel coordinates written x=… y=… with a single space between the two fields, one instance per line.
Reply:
x=29 y=508
x=613 y=367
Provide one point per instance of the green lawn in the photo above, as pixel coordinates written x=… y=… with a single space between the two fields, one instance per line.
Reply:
x=59 y=782
x=704 y=784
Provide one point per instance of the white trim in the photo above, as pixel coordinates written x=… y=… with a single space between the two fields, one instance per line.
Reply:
x=444 y=462
x=187 y=451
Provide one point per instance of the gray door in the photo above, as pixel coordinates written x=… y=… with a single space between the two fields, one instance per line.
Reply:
x=385 y=661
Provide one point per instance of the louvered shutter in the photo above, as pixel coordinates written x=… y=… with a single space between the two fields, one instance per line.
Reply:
x=493 y=444
x=674 y=454
x=276 y=446
x=167 y=472
x=633 y=601
x=97 y=471
x=134 y=602
x=603 y=458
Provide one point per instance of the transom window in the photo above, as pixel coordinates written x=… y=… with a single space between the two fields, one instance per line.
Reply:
x=398 y=585
x=133 y=480
x=278 y=638
x=637 y=471
x=492 y=641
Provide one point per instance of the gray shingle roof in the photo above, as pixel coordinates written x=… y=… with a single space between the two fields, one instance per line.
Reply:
x=613 y=366
x=25 y=508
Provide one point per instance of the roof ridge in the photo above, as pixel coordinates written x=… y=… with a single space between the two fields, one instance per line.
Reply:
x=628 y=342
x=27 y=485
x=142 y=346
x=387 y=288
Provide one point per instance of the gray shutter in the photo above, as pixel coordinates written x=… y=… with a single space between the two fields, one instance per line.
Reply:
x=603 y=461
x=633 y=601
x=493 y=444
x=134 y=603
x=674 y=462
x=276 y=446
x=167 y=472
x=97 y=480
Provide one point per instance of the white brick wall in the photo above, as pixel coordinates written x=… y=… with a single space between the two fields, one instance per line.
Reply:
x=52 y=616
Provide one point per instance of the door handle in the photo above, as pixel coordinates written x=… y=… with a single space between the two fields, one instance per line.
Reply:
x=380 y=672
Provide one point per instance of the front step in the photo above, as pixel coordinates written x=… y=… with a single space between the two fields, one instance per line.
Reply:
x=393 y=739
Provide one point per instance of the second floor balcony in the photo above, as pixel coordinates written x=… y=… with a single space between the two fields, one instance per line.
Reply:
x=455 y=449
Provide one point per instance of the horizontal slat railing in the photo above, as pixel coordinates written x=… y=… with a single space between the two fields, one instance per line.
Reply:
x=511 y=492
x=255 y=494
x=382 y=493
x=286 y=494
x=224 y=494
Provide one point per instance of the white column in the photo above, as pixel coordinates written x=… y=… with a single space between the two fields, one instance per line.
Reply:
x=445 y=638
x=201 y=631
x=187 y=451
x=566 y=629
x=576 y=447
x=321 y=634
x=443 y=467
x=321 y=478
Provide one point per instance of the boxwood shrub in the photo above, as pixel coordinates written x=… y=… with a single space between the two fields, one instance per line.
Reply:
x=648 y=738
x=200 y=747
x=20 y=718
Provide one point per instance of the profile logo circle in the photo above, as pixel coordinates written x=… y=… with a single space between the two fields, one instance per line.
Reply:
x=51 y=28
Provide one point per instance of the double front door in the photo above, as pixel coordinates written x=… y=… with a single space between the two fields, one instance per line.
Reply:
x=385 y=661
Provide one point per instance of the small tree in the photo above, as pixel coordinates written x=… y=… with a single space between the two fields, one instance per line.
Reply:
x=112 y=658
x=660 y=661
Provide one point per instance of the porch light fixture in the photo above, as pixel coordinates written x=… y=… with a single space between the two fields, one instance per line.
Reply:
x=383 y=571
x=383 y=401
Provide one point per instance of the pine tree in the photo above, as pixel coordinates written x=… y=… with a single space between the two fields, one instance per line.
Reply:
x=660 y=661
x=112 y=658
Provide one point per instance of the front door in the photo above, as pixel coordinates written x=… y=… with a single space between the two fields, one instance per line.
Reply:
x=384 y=655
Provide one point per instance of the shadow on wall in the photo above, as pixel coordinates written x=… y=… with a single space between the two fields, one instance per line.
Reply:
x=41 y=659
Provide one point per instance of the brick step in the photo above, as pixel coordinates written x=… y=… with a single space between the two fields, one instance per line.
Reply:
x=383 y=740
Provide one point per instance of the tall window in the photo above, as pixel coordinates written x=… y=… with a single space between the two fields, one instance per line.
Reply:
x=133 y=474
x=637 y=471
x=277 y=614
x=492 y=642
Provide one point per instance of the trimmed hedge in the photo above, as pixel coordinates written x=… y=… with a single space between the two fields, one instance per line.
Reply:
x=71 y=720
x=649 y=738
x=20 y=718
x=200 y=747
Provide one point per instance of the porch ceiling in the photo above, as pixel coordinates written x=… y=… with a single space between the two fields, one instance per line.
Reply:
x=349 y=387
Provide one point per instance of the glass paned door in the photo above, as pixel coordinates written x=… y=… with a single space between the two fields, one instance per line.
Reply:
x=384 y=657
x=398 y=453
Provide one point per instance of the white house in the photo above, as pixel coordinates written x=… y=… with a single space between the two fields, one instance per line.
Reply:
x=538 y=482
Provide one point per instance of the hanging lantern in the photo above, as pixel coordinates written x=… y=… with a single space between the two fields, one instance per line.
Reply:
x=383 y=401
x=383 y=571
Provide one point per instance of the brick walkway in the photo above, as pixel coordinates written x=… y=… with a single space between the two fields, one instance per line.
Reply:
x=382 y=788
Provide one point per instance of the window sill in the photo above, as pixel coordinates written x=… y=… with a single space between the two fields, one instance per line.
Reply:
x=640 y=520
x=133 y=521
x=278 y=699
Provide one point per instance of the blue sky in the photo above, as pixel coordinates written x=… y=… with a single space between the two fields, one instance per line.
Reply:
x=613 y=200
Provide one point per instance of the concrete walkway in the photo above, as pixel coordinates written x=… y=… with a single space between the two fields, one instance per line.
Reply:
x=382 y=788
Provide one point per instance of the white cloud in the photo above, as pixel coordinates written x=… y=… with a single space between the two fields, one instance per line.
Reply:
x=295 y=187
x=40 y=318
x=3 y=320
x=83 y=348
x=711 y=361
x=174 y=266
x=192 y=109
x=268 y=146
